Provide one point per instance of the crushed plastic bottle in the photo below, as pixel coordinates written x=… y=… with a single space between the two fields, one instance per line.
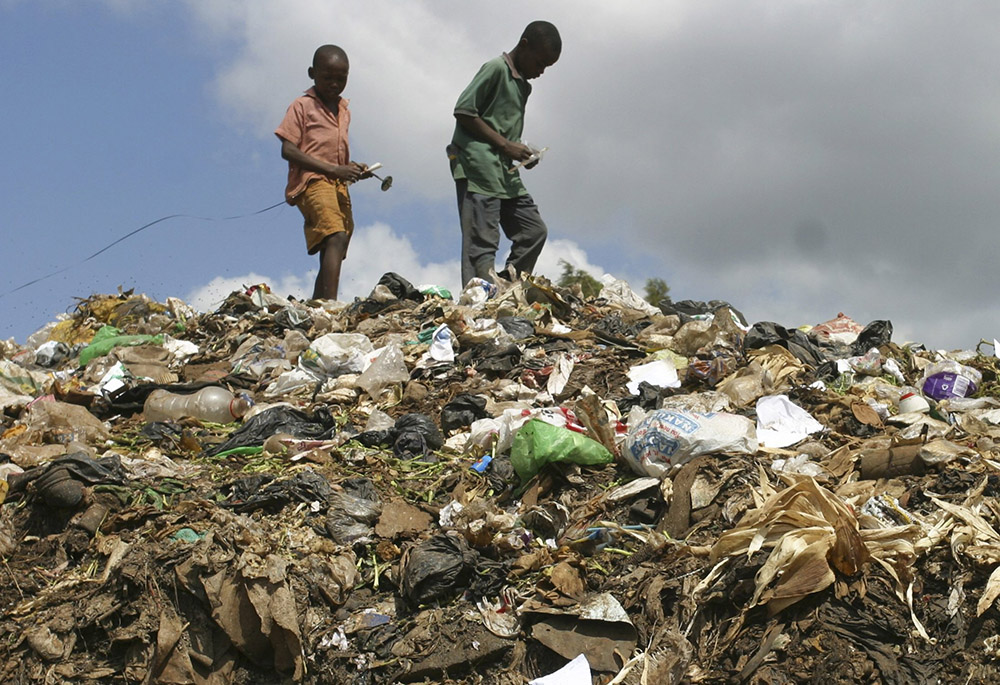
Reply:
x=213 y=403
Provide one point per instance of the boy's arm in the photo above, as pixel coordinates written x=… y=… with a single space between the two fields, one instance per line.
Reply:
x=480 y=130
x=348 y=172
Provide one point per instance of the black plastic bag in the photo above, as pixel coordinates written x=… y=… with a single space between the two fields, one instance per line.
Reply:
x=688 y=309
x=766 y=333
x=419 y=424
x=242 y=489
x=413 y=436
x=400 y=287
x=437 y=569
x=495 y=358
x=305 y=486
x=501 y=475
x=353 y=512
x=410 y=445
x=320 y=426
x=376 y=438
x=60 y=482
x=290 y=317
x=875 y=334
x=517 y=327
x=80 y=466
x=462 y=411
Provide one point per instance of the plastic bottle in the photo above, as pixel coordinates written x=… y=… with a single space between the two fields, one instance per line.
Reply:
x=208 y=404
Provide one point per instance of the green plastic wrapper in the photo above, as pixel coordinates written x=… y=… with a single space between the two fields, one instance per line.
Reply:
x=109 y=338
x=437 y=290
x=539 y=443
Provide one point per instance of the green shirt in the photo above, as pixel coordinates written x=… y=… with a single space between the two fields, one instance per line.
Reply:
x=497 y=95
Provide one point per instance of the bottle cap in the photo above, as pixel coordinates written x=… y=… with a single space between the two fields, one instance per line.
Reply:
x=238 y=406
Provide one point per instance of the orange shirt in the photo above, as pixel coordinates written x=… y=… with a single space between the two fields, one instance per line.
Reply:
x=318 y=132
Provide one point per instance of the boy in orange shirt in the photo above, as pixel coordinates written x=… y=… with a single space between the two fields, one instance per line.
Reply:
x=314 y=142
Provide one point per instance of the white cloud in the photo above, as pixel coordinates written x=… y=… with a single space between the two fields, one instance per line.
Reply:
x=560 y=249
x=795 y=159
x=208 y=297
x=376 y=250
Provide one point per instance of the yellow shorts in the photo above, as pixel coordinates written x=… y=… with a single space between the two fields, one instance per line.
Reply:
x=326 y=208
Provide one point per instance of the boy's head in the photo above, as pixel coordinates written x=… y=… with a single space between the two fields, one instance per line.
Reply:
x=329 y=71
x=538 y=49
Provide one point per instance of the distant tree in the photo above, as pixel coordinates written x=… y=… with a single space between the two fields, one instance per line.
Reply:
x=571 y=276
x=656 y=290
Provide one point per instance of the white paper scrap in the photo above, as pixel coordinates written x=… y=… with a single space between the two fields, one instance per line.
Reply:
x=576 y=672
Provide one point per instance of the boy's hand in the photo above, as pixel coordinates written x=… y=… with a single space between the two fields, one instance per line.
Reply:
x=348 y=172
x=518 y=152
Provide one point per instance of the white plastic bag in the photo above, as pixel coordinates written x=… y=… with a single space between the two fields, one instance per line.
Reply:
x=781 y=422
x=662 y=373
x=441 y=346
x=946 y=379
x=337 y=353
x=666 y=438
x=476 y=292
x=619 y=292
x=388 y=368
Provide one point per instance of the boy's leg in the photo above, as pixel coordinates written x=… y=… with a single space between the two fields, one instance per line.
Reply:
x=331 y=256
x=329 y=223
x=480 y=219
x=523 y=225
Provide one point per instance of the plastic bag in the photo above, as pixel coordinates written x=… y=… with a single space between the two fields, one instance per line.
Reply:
x=867 y=364
x=280 y=419
x=660 y=373
x=441 y=344
x=943 y=380
x=388 y=368
x=462 y=411
x=353 y=512
x=766 y=333
x=110 y=337
x=337 y=353
x=618 y=292
x=842 y=329
x=50 y=354
x=437 y=568
x=538 y=443
x=400 y=287
x=415 y=436
x=519 y=328
x=747 y=384
x=477 y=291
x=254 y=493
x=666 y=438
x=781 y=422
x=875 y=334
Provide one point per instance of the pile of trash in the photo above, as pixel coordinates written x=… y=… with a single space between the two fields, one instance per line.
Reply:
x=517 y=484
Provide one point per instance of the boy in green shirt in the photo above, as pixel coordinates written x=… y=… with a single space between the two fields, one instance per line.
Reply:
x=489 y=118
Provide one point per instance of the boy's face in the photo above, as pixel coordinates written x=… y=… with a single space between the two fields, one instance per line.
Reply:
x=535 y=60
x=330 y=77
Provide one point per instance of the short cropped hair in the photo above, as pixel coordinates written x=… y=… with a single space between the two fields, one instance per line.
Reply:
x=327 y=52
x=543 y=34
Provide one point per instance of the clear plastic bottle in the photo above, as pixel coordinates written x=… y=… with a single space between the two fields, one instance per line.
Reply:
x=208 y=404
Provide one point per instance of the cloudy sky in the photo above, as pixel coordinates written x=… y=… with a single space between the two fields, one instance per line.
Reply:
x=797 y=159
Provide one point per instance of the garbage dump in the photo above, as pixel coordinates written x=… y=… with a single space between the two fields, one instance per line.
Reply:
x=515 y=485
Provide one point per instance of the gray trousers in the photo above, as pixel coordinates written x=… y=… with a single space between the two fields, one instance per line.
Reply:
x=482 y=217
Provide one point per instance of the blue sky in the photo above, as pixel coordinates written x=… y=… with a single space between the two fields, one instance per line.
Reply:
x=112 y=121
x=797 y=159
